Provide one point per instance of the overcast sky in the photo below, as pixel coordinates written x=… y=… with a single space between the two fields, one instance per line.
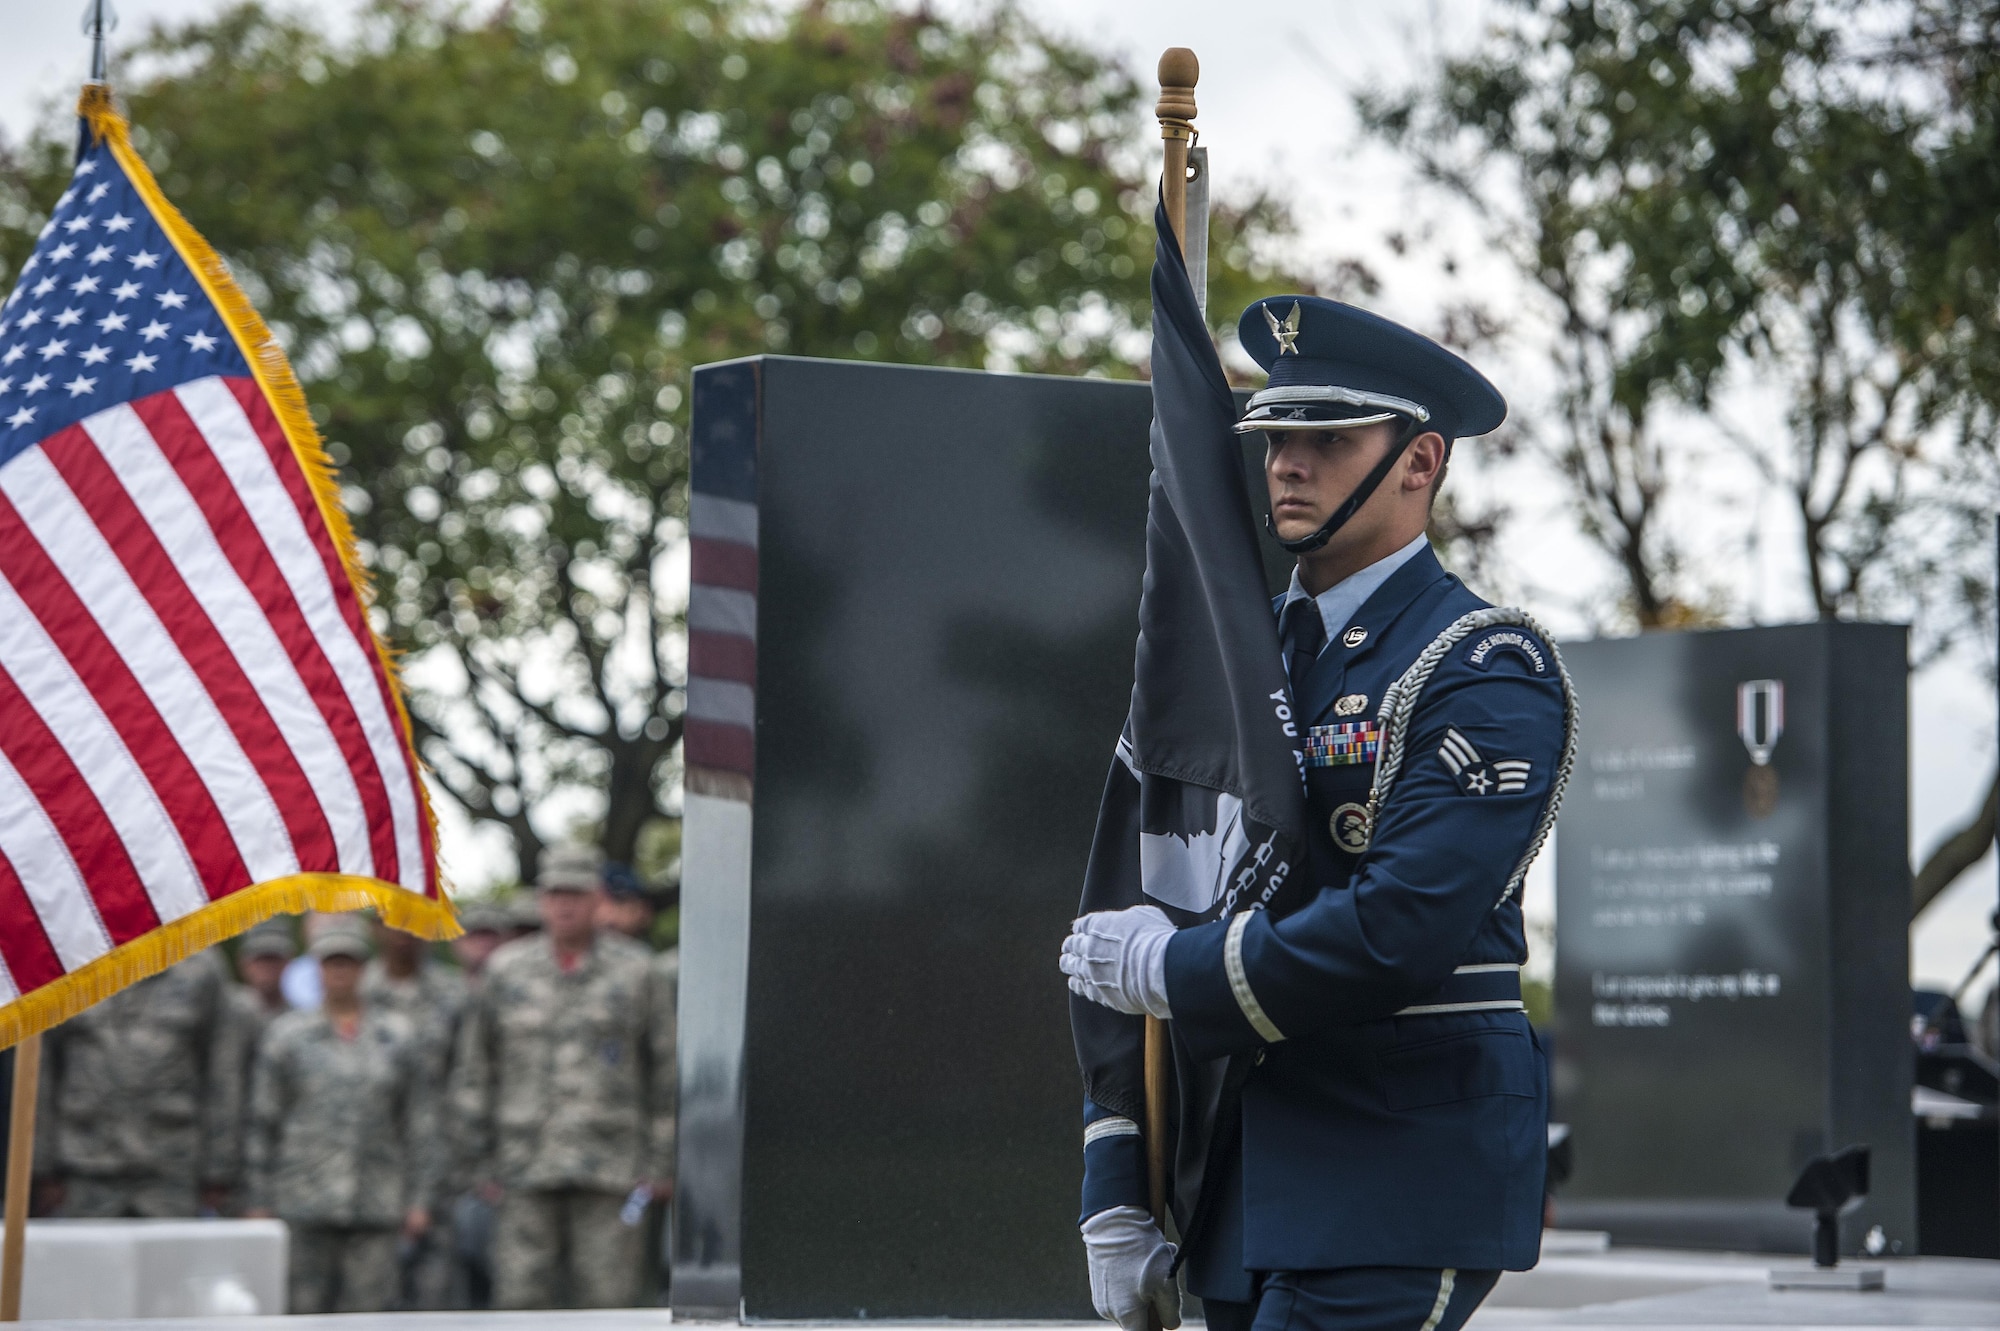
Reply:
x=1275 y=99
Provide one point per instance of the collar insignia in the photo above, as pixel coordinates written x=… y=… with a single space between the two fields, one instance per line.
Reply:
x=1287 y=332
x=1354 y=637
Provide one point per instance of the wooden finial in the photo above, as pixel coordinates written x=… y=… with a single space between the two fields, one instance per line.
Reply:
x=1178 y=71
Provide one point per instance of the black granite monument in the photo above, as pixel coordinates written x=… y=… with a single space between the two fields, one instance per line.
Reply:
x=1733 y=903
x=913 y=608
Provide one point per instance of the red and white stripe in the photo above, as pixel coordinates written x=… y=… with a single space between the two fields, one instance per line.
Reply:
x=190 y=699
x=721 y=726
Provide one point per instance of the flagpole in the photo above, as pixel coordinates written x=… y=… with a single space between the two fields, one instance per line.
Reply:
x=99 y=18
x=20 y=1172
x=1176 y=110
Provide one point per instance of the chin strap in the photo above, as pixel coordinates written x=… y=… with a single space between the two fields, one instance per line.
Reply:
x=1305 y=545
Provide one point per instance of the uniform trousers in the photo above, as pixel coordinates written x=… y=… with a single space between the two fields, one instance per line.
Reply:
x=341 y=1269
x=1360 y=1298
x=117 y=1197
x=564 y=1248
x=429 y=1269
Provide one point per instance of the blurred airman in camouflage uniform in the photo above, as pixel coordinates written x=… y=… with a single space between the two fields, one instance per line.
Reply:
x=141 y=1100
x=401 y=979
x=566 y=1091
x=342 y=1112
x=261 y=957
x=487 y=925
x=628 y=905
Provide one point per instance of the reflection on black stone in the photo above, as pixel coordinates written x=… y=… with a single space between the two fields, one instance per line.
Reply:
x=947 y=606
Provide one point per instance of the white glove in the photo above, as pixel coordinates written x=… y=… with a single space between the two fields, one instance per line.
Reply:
x=1119 y=958
x=1131 y=1269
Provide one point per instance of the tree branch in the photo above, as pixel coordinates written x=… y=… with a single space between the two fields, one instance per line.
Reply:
x=1956 y=853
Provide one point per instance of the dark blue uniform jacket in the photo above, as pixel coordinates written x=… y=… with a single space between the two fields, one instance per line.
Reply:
x=1369 y=1138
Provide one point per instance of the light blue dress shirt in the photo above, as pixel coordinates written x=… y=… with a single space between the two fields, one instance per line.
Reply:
x=1338 y=603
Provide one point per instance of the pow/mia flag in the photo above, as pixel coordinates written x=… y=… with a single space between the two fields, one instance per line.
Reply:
x=1204 y=812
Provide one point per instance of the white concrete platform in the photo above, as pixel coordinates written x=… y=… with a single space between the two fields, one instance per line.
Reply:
x=1569 y=1291
x=1628 y=1287
x=124 y=1269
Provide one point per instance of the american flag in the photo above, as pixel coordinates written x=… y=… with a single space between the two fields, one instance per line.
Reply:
x=197 y=726
x=720 y=741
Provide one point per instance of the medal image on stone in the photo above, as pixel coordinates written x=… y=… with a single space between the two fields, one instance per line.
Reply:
x=1760 y=720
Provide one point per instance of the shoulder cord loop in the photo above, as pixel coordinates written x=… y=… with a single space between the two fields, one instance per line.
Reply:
x=1399 y=705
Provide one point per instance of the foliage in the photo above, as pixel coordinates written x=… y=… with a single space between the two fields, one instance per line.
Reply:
x=497 y=239
x=1732 y=200
x=1711 y=197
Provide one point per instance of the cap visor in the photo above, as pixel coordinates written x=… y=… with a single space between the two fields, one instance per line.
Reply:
x=1249 y=426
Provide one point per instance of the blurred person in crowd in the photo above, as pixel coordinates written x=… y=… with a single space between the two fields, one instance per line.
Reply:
x=401 y=979
x=261 y=957
x=341 y=1108
x=301 y=982
x=625 y=904
x=487 y=925
x=141 y=1100
x=564 y=1085
x=524 y=916
x=628 y=906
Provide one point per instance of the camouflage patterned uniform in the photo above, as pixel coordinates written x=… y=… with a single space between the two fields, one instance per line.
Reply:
x=432 y=1001
x=564 y=1086
x=249 y=1018
x=335 y=1150
x=141 y=1097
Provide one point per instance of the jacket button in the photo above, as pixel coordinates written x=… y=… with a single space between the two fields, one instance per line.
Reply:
x=1259 y=1060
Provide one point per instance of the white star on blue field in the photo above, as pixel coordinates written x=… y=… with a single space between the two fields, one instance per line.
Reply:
x=105 y=312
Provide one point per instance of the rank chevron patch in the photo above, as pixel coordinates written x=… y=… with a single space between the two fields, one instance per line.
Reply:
x=1503 y=776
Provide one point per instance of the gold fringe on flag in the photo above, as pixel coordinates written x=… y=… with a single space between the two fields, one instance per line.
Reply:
x=230 y=915
x=177 y=940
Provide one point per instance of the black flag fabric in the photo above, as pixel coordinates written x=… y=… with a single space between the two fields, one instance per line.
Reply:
x=1204 y=811
x=1212 y=724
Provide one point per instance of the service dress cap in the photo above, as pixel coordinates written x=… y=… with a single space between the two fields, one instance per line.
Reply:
x=571 y=869
x=1333 y=364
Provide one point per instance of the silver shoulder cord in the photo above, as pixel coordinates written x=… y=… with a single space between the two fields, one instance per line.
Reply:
x=1399 y=705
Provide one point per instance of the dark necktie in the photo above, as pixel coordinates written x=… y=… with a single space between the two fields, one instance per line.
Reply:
x=1304 y=634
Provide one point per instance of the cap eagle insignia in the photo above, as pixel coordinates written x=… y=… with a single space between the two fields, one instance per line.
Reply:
x=1287 y=332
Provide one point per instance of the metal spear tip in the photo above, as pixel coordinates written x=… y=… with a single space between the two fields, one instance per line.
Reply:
x=99 y=18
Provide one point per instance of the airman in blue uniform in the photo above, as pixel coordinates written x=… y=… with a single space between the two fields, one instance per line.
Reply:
x=1376 y=1149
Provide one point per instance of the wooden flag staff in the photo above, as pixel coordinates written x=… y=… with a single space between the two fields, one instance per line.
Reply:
x=98 y=19
x=1178 y=71
x=20 y=1170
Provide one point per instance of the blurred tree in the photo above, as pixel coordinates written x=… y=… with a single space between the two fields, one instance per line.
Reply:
x=1946 y=54
x=496 y=238
x=1717 y=196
